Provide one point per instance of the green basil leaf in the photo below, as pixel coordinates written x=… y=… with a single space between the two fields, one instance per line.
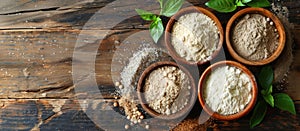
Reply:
x=263 y=92
x=269 y=99
x=240 y=3
x=284 y=102
x=222 y=5
x=156 y=29
x=266 y=77
x=270 y=90
x=246 y=1
x=259 y=3
x=146 y=15
x=259 y=113
x=170 y=7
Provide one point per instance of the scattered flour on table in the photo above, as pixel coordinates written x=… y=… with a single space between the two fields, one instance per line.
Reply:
x=195 y=37
x=227 y=90
x=255 y=37
x=137 y=63
x=130 y=74
x=167 y=90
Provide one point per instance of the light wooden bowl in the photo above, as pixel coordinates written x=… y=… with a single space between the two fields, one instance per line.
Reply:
x=264 y=12
x=181 y=113
x=169 y=28
x=240 y=114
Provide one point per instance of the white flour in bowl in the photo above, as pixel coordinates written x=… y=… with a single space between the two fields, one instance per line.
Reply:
x=195 y=37
x=227 y=90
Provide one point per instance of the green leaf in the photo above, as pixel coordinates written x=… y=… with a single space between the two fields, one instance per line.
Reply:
x=284 y=102
x=246 y=1
x=259 y=113
x=170 y=7
x=263 y=92
x=259 y=3
x=269 y=99
x=146 y=15
x=156 y=29
x=267 y=91
x=266 y=77
x=222 y=5
x=240 y=3
x=160 y=3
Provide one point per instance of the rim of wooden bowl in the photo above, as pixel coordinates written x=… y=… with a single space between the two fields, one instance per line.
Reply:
x=240 y=114
x=266 y=13
x=144 y=103
x=169 y=29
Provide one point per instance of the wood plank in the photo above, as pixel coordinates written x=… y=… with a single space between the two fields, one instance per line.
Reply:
x=42 y=58
x=38 y=40
x=67 y=114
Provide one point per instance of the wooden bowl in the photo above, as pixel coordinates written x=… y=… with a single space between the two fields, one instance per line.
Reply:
x=179 y=114
x=266 y=13
x=169 y=28
x=247 y=108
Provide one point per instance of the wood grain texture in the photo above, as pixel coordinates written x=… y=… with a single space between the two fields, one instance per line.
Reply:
x=37 y=43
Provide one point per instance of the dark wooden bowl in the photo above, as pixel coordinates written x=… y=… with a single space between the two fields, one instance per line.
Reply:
x=240 y=114
x=169 y=29
x=140 y=92
x=264 y=12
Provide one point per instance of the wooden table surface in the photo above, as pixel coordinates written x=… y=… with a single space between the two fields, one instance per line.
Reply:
x=56 y=64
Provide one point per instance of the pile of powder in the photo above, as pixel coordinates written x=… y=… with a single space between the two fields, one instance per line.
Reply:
x=195 y=37
x=167 y=89
x=227 y=90
x=255 y=37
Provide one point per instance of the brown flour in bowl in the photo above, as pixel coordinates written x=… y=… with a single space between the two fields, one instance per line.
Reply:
x=255 y=37
x=167 y=90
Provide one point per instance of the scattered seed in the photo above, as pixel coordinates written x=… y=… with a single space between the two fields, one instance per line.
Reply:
x=121 y=86
x=271 y=23
x=147 y=126
x=141 y=117
x=268 y=19
x=126 y=126
x=115 y=104
x=117 y=83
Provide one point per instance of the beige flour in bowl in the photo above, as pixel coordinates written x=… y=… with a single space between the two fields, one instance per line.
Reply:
x=255 y=37
x=167 y=90
x=227 y=90
x=195 y=37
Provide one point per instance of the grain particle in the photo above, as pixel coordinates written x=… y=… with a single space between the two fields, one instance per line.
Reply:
x=141 y=117
x=147 y=126
x=117 y=83
x=115 y=104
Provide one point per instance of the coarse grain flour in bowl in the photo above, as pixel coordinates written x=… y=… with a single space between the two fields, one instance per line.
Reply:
x=227 y=90
x=166 y=91
x=194 y=35
x=255 y=36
